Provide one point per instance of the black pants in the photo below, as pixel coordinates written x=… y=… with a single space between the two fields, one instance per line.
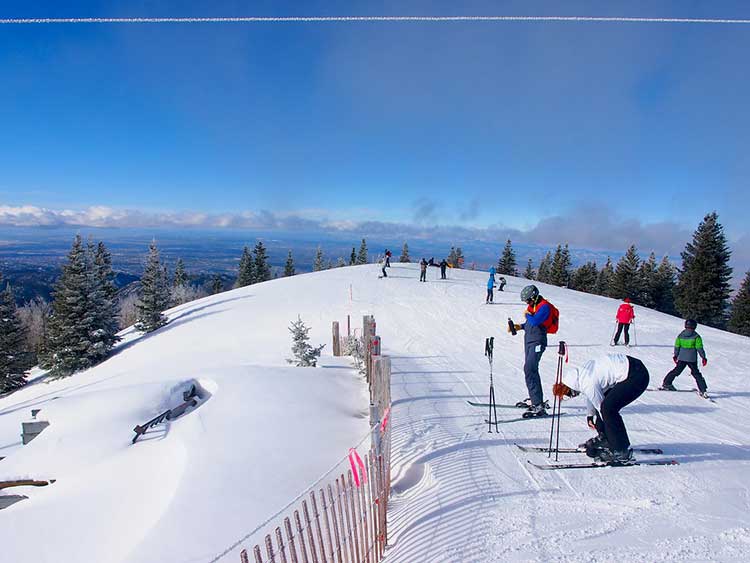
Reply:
x=423 y=275
x=610 y=422
x=489 y=295
x=384 y=274
x=620 y=326
x=442 y=273
x=694 y=371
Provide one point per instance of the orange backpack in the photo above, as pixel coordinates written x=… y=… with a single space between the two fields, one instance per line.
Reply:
x=553 y=320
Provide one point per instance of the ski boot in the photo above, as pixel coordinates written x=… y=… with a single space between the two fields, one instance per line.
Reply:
x=526 y=404
x=595 y=445
x=704 y=394
x=667 y=387
x=536 y=411
x=616 y=457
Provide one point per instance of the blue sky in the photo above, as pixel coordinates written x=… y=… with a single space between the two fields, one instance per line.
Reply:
x=500 y=126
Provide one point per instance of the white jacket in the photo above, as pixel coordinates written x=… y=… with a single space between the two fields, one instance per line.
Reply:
x=596 y=377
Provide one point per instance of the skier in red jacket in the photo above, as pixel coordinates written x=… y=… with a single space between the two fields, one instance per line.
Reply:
x=625 y=316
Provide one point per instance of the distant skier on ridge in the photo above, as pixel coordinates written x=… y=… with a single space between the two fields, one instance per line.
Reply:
x=423 y=270
x=443 y=266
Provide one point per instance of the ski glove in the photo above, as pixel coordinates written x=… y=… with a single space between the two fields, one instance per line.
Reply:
x=515 y=327
x=590 y=422
x=704 y=362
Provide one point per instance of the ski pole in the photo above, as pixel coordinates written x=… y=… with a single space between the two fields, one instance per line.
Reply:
x=489 y=344
x=635 y=333
x=612 y=340
x=557 y=402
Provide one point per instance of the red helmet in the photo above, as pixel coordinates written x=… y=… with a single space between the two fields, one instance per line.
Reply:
x=627 y=300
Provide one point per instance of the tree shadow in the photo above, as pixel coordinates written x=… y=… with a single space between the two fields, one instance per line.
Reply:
x=641 y=408
x=694 y=452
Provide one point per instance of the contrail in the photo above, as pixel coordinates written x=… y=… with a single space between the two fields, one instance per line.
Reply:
x=379 y=19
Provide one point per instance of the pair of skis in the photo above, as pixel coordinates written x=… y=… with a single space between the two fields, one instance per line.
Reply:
x=594 y=464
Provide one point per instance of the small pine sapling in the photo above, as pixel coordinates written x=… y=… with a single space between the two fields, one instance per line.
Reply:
x=305 y=355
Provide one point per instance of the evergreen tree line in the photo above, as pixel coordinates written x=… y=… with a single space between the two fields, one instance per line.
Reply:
x=699 y=290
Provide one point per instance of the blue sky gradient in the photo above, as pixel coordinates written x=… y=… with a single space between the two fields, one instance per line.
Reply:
x=497 y=126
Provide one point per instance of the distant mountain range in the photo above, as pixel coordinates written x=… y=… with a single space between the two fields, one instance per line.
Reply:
x=31 y=257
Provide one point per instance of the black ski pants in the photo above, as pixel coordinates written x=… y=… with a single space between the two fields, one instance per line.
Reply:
x=384 y=274
x=531 y=372
x=620 y=327
x=609 y=422
x=489 y=295
x=442 y=273
x=423 y=275
x=694 y=371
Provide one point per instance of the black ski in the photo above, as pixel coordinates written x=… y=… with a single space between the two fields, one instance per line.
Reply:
x=682 y=391
x=596 y=464
x=522 y=418
x=486 y=405
x=654 y=451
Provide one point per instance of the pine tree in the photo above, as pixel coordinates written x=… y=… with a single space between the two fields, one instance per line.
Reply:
x=662 y=287
x=452 y=257
x=604 y=280
x=261 y=267
x=180 y=276
x=543 y=274
x=246 y=272
x=647 y=274
x=353 y=257
x=107 y=310
x=289 y=265
x=560 y=270
x=78 y=337
x=217 y=286
x=305 y=355
x=13 y=355
x=529 y=273
x=506 y=265
x=459 y=258
x=362 y=254
x=404 y=258
x=154 y=294
x=340 y=263
x=739 y=321
x=703 y=287
x=584 y=278
x=626 y=281
x=318 y=264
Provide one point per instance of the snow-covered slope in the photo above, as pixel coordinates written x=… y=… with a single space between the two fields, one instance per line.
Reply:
x=460 y=494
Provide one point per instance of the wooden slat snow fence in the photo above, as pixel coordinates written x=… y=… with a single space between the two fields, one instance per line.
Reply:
x=345 y=520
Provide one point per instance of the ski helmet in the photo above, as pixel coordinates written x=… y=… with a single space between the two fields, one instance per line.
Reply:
x=627 y=300
x=529 y=293
x=691 y=324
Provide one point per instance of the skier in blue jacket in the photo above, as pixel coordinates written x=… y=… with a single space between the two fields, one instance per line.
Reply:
x=490 y=286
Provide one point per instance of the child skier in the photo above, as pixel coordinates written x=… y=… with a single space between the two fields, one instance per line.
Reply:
x=687 y=347
x=502 y=283
x=608 y=384
x=625 y=316
x=541 y=318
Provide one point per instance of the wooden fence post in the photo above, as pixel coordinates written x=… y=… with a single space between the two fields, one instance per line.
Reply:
x=336 y=339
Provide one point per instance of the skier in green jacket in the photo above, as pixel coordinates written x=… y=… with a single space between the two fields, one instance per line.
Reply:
x=687 y=347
